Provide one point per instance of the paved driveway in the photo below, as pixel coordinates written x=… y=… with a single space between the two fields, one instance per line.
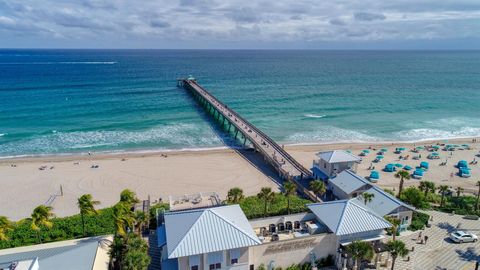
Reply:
x=440 y=253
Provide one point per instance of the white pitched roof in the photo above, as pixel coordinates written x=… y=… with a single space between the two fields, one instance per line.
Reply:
x=348 y=181
x=207 y=230
x=347 y=217
x=337 y=156
x=383 y=203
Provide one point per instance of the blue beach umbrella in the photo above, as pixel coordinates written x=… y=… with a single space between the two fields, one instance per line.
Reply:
x=424 y=165
x=398 y=165
x=384 y=149
x=380 y=157
x=408 y=168
x=366 y=151
x=462 y=164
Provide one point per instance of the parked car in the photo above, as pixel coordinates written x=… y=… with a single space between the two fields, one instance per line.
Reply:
x=463 y=237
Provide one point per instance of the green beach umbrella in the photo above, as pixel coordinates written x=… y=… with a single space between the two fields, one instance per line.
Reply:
x=366 y=151
x=384 y=149
x=436 y=147
x=379 y=157
x=434 y=154
x=398 y=165
x=419 y=147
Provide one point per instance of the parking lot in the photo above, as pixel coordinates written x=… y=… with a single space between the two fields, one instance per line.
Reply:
x=440 y=253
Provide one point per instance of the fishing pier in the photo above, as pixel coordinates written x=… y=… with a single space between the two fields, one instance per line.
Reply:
x=286 y=166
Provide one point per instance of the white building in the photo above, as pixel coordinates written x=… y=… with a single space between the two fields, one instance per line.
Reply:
x=331 y=163
x=347 y=185
x=222 y=237
x=79 y=254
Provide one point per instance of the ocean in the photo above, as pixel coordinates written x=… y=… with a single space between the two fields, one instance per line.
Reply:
x=75 y=101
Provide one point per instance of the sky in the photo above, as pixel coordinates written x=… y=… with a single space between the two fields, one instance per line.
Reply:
x=241 y=24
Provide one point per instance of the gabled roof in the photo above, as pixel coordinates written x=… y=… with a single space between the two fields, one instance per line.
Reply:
x=345 y=217
x=207 y=230
x=349 y=181
x=79 y=254
x=384 y=203
x=337 y=156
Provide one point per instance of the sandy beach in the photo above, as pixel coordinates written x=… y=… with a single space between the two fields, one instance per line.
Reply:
x=24 y=185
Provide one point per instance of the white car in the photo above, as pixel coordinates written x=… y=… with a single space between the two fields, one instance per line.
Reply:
x=463 y=237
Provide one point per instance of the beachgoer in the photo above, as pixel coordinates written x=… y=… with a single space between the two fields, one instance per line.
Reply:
x=426 y=239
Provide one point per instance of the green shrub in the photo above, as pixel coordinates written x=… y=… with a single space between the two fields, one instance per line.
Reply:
x=63 y=229
x=419 y=220
x=153 y=213
x=327 y=261
x=253 y=207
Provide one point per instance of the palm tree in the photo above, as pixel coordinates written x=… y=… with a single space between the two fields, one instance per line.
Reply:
x=41 y=217
x=395 y=223
x=360 y=250
x=318 y=187
x=442 y=190
x=141 y=218
x=396 y=248
x=86 y=204
x=478 y=196
x=367 y=197
x=128 y=197
x=289 y=190
x=5 y=226
x=426 y=186
x=403 y=174
x=235 y=195
x=266 y=195
x=459 y=190
x=123 y=217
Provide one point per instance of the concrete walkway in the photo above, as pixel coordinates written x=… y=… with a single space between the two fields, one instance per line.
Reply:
x=439 y=253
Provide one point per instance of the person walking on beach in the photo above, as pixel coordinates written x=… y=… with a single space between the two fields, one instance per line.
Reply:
x=419 y=238
x=426 y=239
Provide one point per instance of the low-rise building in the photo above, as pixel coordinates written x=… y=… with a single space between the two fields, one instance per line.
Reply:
x=331 y=163
x=347 y=185
x=223 y=238
x=79 y=254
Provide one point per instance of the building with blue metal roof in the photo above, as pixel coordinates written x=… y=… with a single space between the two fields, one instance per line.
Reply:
x=79 y=254
x=331 y=163
x=349 y=185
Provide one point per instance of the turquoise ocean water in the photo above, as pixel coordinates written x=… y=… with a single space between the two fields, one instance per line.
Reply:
x=75 y=101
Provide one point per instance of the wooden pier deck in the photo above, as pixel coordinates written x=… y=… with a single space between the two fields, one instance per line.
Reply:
x=286 y=166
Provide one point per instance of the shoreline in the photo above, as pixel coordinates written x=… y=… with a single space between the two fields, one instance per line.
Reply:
x=219 y=149
x=29 y=182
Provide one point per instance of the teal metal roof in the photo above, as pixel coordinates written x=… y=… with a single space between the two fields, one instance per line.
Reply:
x=346 y=217
x=207 y=230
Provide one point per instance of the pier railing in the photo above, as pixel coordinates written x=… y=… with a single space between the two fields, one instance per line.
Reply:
x=297 y=171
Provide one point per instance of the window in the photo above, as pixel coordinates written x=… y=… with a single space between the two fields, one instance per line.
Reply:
x=252 y=267
x=194 y=262
x=215 y=266
x=234 y=256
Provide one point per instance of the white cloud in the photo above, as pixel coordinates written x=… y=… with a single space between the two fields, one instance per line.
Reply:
x=104 y=23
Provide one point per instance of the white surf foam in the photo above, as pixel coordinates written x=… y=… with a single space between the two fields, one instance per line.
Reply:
x=309 y=115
